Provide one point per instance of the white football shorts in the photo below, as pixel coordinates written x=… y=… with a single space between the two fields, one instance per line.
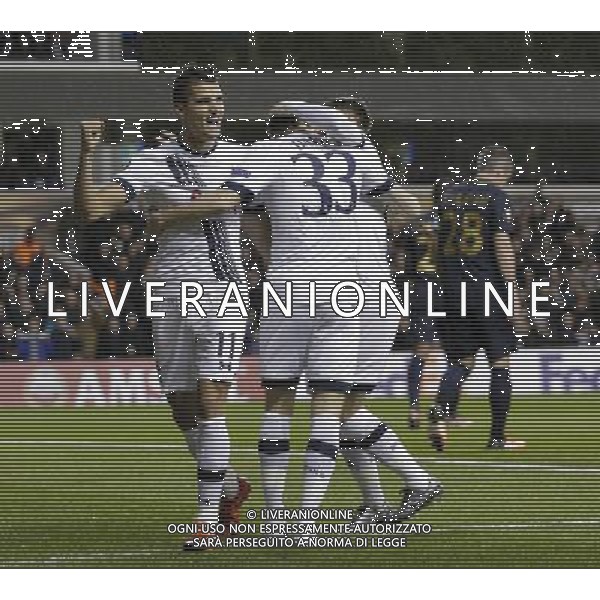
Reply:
x=325 y=347
x=195 y=347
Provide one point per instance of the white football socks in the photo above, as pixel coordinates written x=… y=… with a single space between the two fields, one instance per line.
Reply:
x=384 y=445
x=321 y=452
x=193 y=438
x=365 y=469
x=274 y=452
x=213 y=462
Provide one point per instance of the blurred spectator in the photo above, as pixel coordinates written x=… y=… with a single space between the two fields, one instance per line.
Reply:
x=553 y=248
x=135 y=342
x=8 y=344
x=125 y=234
x=26 y=251
x=32 y=342
x=64 y=339
x=109 y=343
x=586 y=334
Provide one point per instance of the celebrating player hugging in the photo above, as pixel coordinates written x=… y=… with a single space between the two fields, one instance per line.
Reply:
x=323 y=187
x=319 y=206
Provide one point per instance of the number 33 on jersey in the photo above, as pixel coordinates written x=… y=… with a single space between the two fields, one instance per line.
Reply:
x=300 y=178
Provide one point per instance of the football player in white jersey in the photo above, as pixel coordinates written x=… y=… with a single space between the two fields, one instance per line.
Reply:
x=322 y=229
x=178 y=187
x=310 y=190
x=366 y=440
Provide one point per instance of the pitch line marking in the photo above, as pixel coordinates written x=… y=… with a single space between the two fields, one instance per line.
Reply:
x=541 y=467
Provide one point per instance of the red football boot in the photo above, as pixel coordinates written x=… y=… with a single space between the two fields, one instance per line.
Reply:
x=229 y=508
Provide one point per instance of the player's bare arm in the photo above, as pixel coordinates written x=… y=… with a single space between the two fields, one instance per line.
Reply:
x=92 y=201
x=402 y=208
x=333 y=124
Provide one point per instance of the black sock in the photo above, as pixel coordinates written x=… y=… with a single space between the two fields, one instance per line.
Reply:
x=500 y=392
x=449 y=392
x=415 y=368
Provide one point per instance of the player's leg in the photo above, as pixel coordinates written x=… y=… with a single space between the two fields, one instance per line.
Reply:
x=329 y=372
x=367 y=438
x=274 y=441
x=174 y=346
x=175 y=352
x=214 y=448
x=448 y=395
x=220 y=491
x=376 y=339
x=283 y=347
x=370 y=435
x=424 y=373
x=364 y=467
x=461 y=339
x=500 y=396
x=501 y=344
x=415 y=370
x=324 y=439
x=184 y=409
x=423 y=370
x=455 y=374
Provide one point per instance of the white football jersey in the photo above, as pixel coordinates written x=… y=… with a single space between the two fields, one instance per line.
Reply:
x=371 y=227
x=312 y=192
x=209 y=250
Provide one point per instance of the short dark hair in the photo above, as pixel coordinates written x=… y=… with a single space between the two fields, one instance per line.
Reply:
x=492 y=154
x=190 y=74
x=356 y=106
x=281 y=124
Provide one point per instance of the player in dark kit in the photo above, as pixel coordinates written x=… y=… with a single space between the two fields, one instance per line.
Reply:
x=417 y=246
x=474 y=247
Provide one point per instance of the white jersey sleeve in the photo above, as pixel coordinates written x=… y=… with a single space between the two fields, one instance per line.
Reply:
x=137 y=177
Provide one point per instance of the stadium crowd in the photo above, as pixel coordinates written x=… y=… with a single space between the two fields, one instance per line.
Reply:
x=553 y=247
x=115 y=251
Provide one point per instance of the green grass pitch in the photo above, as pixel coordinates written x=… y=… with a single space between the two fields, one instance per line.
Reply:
x=97 y=487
